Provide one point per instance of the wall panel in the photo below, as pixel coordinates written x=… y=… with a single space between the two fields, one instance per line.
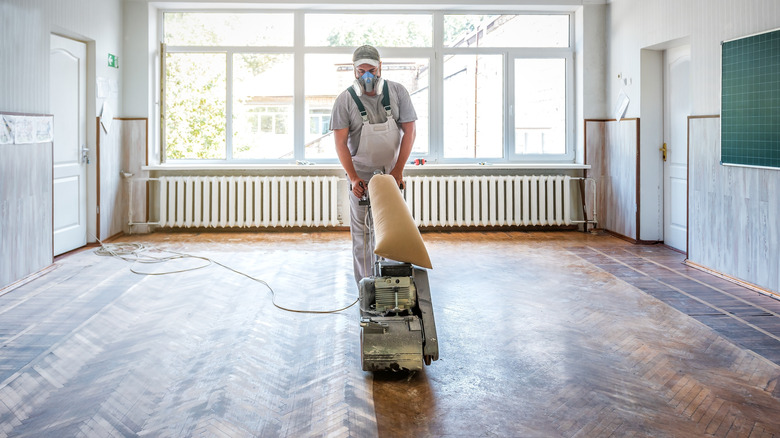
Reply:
x=26 y=208
x=611 y=150
x=733 y=212
x=121 y=152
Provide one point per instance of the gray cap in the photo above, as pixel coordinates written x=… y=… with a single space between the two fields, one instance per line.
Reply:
x=366 y=55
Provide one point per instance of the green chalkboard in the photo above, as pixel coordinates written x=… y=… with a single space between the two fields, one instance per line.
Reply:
x=750 y=101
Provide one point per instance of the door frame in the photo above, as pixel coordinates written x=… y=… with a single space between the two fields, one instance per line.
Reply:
x=91 y=134
x=679 y=52
x=651 y=139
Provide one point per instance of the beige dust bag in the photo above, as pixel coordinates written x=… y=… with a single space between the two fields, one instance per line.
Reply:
x=397 y=237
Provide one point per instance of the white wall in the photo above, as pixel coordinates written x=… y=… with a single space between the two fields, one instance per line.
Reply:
x=590 y=47
x=25 y=26
x=634 y=25
x=637 y=24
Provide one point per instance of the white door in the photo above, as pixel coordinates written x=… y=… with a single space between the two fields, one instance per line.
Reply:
x=68 y=82
x=676 y=112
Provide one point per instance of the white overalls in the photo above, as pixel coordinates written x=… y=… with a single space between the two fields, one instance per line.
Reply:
x=377 y=152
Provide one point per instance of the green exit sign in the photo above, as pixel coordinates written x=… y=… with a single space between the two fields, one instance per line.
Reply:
x=113 y=61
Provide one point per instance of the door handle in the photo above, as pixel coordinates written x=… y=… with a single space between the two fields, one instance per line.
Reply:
x=663 y=149
x=84 y=155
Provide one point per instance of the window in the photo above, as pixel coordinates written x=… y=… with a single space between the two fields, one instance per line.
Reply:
x=326 y=76
x=239 y=88
x=262 y=106
x=540 y=106
x=380 y=30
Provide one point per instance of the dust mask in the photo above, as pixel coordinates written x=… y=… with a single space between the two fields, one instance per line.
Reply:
x=367 y=81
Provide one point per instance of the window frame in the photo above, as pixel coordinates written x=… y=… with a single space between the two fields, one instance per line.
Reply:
x=435 y=54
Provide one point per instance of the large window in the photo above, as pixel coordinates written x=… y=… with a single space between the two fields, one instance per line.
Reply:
x=240 y=87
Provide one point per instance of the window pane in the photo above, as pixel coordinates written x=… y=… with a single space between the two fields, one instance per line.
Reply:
x=380 y=30
x=226 y=29
x=195 y=105
x=329 y=75
x=506 y=31
x=473 y=102
x=263 y=106
x=540 y=106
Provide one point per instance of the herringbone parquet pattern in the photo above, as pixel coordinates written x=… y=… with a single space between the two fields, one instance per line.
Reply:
x=541 y=335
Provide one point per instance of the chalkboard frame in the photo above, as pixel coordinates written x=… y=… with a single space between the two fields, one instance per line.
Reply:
x=750 y=100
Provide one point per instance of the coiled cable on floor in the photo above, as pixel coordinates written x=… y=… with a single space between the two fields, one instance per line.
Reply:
x=138 y=253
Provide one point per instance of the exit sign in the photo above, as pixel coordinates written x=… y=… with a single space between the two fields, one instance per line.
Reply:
x=113 y=61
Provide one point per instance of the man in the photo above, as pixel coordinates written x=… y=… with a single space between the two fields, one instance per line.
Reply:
x=373 y=123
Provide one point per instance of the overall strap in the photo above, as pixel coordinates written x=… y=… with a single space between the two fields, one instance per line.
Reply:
x=386 y=101
x=362 y=109
x=359 y=104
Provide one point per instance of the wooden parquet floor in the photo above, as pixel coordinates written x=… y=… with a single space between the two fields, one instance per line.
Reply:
x=549 y=334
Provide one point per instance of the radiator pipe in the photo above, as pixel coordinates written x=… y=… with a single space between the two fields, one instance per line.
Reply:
x=130 y=179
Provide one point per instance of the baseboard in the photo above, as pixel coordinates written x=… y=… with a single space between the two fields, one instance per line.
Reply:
x=734 y=280
x=27 y=279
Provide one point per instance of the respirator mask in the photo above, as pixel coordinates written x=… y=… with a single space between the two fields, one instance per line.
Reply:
x=368 y=81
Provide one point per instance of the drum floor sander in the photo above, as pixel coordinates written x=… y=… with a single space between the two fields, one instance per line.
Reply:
x=398 y=331
x=396 y=319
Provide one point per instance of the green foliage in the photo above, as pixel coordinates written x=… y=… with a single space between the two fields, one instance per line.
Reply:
x=379 y=34
x=185 y=29
x=195 y=106
x=458 y=26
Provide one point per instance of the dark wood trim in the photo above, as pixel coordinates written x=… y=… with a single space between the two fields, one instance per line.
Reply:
x=146 y=160
x=585 y=172
x=675 y=249
x=620 y=236
x=612 y=120
x=28 y=278
x=52 y=198
x=638 y=184
x=10 y=113
x=711 y=116
x=97 y=179
x=734 y=280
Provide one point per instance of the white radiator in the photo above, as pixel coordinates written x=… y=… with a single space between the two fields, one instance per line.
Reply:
x=489 y=200
x=248 y=201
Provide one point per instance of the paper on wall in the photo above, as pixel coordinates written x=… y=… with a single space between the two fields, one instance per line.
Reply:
x=106 y=117
x=5 y=131
x=621 y=106
x=103 y=88
x=26 y=129
x=44 y=129
x=22 y=128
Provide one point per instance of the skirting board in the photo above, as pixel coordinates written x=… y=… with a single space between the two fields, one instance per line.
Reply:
x=734 y=280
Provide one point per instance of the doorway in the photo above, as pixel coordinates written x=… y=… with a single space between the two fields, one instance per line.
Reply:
x=68 y=98
x=677 y=108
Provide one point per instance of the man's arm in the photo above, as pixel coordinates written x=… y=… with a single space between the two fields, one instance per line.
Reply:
x=345 y=158
x=409 y=130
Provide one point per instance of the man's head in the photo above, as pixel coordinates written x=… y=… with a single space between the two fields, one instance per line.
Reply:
x=366 y=55
x=368 y=67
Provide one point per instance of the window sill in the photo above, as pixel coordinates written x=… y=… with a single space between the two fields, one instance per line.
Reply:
x=411 y=168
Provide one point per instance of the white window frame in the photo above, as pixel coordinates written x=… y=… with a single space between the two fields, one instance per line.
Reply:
x=435 y=54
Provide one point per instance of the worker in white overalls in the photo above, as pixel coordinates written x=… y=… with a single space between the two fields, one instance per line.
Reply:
x=373 y=123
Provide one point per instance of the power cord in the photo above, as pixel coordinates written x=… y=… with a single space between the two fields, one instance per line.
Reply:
x=137 y=253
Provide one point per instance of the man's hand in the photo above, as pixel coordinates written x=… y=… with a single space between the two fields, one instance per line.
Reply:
x=359 y=187
x=399 y=179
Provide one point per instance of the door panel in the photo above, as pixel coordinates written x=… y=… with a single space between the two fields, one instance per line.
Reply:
x=676 y=112
x=68 y=104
